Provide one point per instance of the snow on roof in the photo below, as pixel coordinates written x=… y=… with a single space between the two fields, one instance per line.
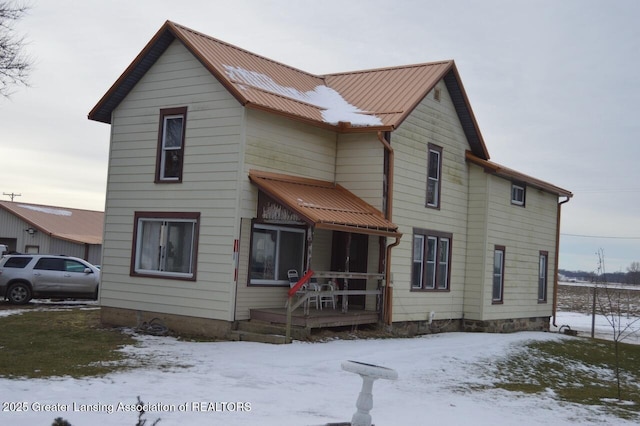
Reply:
x=334 y=107
x=47 y=210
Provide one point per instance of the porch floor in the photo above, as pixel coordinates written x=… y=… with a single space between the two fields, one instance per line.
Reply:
x=317 y=318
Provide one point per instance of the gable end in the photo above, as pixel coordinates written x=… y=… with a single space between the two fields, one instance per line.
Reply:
x=131 y=76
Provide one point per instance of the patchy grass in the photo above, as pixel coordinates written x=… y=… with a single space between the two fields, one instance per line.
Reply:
x=576 y=370
x=40 y=344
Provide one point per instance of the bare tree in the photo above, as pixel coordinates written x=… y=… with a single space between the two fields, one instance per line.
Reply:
x=611 y=304
x=633 y=273
x=14 y=64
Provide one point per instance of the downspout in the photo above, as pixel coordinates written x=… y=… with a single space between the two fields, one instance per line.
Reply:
x=387 y=307
x=557 y=267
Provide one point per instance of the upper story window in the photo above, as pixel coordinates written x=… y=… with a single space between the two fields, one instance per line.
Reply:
x=431 y=260
x=434 y=172
x=518 y=192
x=171 y=145
x=165 y=244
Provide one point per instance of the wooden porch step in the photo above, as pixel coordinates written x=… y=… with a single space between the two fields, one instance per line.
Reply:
x=247 y=336
x=263 y=327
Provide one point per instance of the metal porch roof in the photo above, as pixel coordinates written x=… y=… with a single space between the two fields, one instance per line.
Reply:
x=323 y=204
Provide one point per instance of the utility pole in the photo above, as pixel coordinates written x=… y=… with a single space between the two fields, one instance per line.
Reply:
x=12 y=195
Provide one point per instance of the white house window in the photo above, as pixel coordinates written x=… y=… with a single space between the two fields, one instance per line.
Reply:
x=275 y=250
x=165 y=244
x=431 y=260
x=542 y=277
x=498 y=274
x=434 y=166
x=518 y=194
x=171 y=145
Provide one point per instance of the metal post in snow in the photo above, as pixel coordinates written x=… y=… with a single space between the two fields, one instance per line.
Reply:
x=593 y=311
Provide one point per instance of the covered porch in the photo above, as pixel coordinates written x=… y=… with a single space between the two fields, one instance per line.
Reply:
x=312 y=225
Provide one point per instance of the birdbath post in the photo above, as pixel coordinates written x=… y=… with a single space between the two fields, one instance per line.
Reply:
x=369 y=374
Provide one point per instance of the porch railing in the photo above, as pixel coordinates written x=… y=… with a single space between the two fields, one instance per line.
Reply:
x=345 y=292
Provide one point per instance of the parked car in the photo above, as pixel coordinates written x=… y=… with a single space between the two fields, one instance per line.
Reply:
x=36 y=276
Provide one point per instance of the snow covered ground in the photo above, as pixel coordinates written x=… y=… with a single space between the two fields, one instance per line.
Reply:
x=243 y=383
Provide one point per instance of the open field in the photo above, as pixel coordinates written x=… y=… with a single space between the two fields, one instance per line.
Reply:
x=578 y=297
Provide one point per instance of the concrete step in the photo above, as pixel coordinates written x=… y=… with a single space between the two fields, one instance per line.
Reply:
x=247 y=336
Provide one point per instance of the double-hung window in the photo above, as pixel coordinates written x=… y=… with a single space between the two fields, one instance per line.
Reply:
x=165 y=244
x=431 y=260
x=274 y=251
x=518 y=192
x=542 y=276
x=434 y=172
x=171 y=135
x=497 y=294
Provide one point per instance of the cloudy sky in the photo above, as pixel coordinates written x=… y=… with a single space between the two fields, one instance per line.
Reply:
x=554 y=85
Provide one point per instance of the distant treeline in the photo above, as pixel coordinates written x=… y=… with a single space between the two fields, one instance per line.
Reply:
x=631 y=277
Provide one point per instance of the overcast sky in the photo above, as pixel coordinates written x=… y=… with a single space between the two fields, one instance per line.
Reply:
x=554 y=85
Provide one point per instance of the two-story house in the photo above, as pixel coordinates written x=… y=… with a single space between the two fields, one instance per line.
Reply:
x=227 y=170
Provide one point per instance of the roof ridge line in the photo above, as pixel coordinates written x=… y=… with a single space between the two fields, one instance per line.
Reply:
x=396 y=67
x=233 y=46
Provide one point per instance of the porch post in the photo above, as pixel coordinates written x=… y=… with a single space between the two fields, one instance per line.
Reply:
x=345 y=298
x=310 y=231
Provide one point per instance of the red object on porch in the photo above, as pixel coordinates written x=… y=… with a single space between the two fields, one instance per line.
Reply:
x=306 y=277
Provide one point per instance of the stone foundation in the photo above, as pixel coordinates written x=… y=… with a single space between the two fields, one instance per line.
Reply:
x=415 y=328
x=177 y=324
x=507 y=325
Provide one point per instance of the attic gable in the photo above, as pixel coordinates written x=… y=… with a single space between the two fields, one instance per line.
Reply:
x=368 y=100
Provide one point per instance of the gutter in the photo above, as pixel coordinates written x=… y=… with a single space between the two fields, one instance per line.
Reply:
x=387 y=306
x=557 y=267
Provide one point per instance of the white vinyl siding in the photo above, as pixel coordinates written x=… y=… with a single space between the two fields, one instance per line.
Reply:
x=436 y=123
x=525 y=232
x=209 y=181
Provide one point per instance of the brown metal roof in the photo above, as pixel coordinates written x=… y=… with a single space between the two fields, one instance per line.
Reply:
x=378 y=99
x=497 y=169
x=78 y=226
x=324 y=204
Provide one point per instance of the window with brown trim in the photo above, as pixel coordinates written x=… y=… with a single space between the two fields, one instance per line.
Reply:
x=431 y=268
x=170 y=156
x=434 y=174
x=542 y=276
x=165 y=244
x=497 y=294
x=518 y=194
x=275 y=250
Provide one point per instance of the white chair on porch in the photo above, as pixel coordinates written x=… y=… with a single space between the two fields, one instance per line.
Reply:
x=327 y=298
x=305 y=289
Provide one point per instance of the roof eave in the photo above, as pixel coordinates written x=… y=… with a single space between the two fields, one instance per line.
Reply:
x=504 y=172
x=143 y=62
x=132 y=74
x=465 y=113
x=341 y=127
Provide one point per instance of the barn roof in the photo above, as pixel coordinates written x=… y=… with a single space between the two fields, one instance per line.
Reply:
x=78 y=226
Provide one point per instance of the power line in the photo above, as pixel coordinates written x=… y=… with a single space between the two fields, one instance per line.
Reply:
x=12 y=195
x=600 y=236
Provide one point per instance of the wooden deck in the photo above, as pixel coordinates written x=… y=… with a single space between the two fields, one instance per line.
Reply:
x=317 y=318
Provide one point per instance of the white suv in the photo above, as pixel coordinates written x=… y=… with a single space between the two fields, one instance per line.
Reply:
x=27 y=276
